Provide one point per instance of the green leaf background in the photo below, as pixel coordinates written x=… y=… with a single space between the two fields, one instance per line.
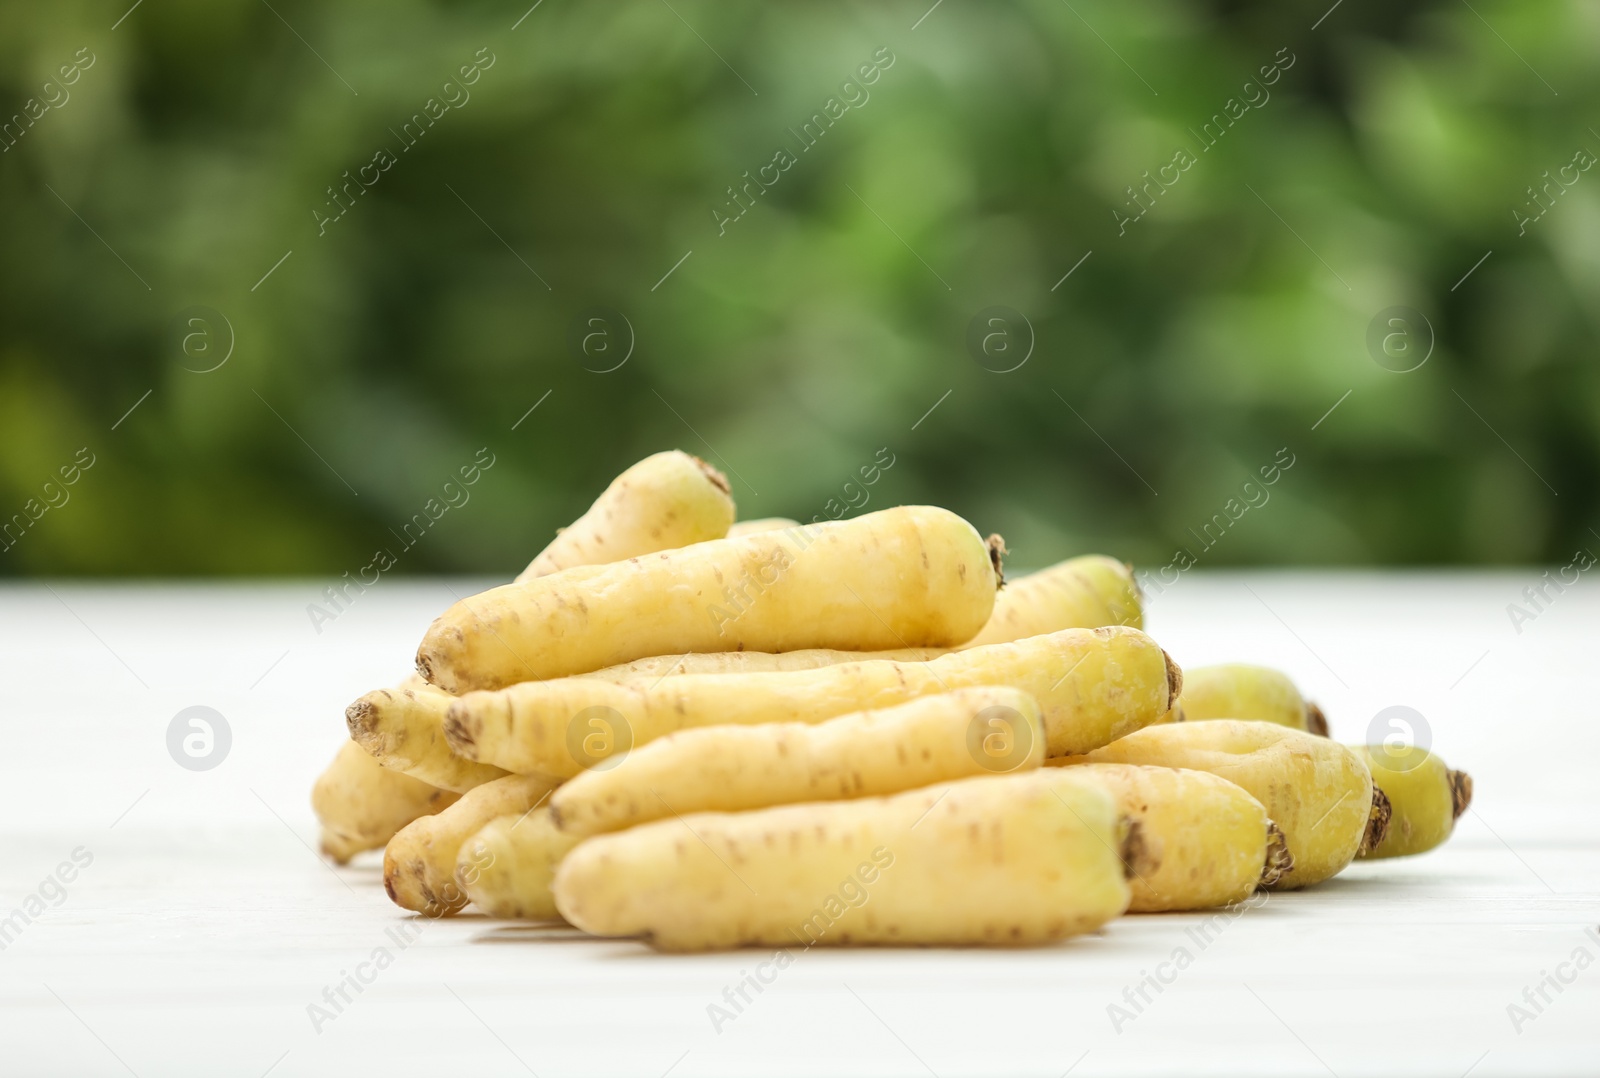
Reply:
x=1175 y=361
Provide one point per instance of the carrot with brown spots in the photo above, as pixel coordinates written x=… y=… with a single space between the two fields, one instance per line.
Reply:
x=506 y=869
x=665 y=501
x=1252 y=693
x=1092 y=685
x=1009 y=860
x=1207 y=841
x=419 y=864
x=361 y=804
x=669 y=499
x=1319 y=792
x=856 y=584
x=1080 y=593
x=968 y=732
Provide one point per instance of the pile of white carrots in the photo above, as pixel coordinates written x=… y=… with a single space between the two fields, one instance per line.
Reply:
x=709 y=734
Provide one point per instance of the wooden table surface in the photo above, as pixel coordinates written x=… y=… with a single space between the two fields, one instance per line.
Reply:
x=199 y=927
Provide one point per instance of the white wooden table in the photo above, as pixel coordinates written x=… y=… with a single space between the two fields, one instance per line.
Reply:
x=205 y=925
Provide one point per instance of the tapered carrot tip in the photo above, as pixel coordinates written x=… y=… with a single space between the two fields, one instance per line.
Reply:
x=1460 y=793
x=1377 y=822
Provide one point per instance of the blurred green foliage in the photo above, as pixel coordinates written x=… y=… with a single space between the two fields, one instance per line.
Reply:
x=597 y=146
